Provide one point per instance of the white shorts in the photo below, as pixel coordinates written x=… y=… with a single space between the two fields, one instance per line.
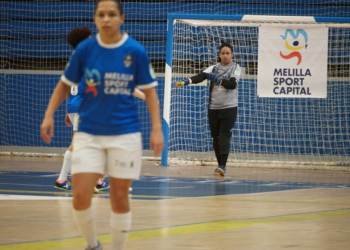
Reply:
x=74 y=119
x=118 y=156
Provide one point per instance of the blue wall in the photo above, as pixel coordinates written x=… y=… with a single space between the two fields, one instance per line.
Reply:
x=24 y=99
x=30 y=29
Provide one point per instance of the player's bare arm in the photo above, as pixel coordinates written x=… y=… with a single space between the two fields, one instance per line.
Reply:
x=67 y=120
x=157 y=139
x=58 y=95
x=139 y=94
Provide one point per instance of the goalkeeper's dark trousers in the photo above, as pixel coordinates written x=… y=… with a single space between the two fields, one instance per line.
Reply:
x=221 y=123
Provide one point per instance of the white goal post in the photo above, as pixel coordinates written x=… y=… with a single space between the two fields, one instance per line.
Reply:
x=268 y=132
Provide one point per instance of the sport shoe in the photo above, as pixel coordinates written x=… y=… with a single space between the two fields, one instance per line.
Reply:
x=96 y=191
x=64 y=185
x=216 y=171
x=221 y=170
x=99 y=247
x=102 y=185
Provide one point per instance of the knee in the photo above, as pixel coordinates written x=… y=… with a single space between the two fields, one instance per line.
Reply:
x=81 y=199
x=226 y=134
x=120 y=201
x=224 y=140
x=120 y=195
x=224 y=143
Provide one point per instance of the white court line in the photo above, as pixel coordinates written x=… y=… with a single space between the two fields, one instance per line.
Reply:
x=5 y=197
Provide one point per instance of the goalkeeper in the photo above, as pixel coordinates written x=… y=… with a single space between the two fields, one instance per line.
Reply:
x=223 y=101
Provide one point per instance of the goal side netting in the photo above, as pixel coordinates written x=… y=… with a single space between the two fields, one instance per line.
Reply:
x=268 y=131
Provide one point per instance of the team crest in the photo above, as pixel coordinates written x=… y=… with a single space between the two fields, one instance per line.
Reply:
x=128 y=61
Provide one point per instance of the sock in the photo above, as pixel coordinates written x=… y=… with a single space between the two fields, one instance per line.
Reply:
x=85 y=222
x=120 y=227
x=67 y=160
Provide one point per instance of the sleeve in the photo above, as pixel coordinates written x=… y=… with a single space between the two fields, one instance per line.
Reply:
x=73 y=71
x=197 y=78
x=201 y=76
x=209 y=69
x=145 y=76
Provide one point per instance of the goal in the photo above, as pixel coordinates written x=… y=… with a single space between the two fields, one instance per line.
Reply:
x=281 y=132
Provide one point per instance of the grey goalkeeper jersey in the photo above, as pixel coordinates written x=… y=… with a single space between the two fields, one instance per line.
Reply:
x=221 y=98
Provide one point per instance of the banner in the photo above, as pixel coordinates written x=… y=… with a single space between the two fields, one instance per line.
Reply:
x=292 y=61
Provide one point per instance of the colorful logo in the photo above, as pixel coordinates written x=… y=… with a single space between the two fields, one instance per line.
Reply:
x=300 y=39
x=92 y=79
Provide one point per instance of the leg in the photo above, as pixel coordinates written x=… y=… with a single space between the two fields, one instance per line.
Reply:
x=89 y=162
x=216 y=147
x=62 y=181
x=119 y=195
x=227 y=120
x=124 y=165
x=121 y=216
x=83 y=187
x=214 y=125
x=67 y=163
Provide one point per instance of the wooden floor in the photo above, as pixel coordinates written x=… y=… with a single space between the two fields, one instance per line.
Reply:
x=309 y=210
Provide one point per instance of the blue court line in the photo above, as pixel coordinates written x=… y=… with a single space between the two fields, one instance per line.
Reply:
x=155 y=187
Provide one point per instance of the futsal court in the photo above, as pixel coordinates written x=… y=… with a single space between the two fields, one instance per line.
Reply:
x=182 y=207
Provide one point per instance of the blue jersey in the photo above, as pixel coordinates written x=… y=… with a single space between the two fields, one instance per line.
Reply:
x=111 y=72
x=76 y=97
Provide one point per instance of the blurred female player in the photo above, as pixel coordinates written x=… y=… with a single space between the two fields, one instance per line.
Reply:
x=74 y=37
x=108 y=140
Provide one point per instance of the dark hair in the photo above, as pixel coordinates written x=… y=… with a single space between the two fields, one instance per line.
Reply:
x=78 y=34
x=225 y=44
x=117 y=2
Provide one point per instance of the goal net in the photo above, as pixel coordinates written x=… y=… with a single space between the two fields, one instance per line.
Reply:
x=268 y=131
x=33 y=55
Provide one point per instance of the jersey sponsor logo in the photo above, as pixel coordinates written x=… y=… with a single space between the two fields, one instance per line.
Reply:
x=92 y=79
x=117 y=83
x=128 y=61
x=299 y=41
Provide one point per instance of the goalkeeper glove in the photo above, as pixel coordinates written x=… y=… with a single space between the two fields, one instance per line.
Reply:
x=212 y=77
x=181 y=83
